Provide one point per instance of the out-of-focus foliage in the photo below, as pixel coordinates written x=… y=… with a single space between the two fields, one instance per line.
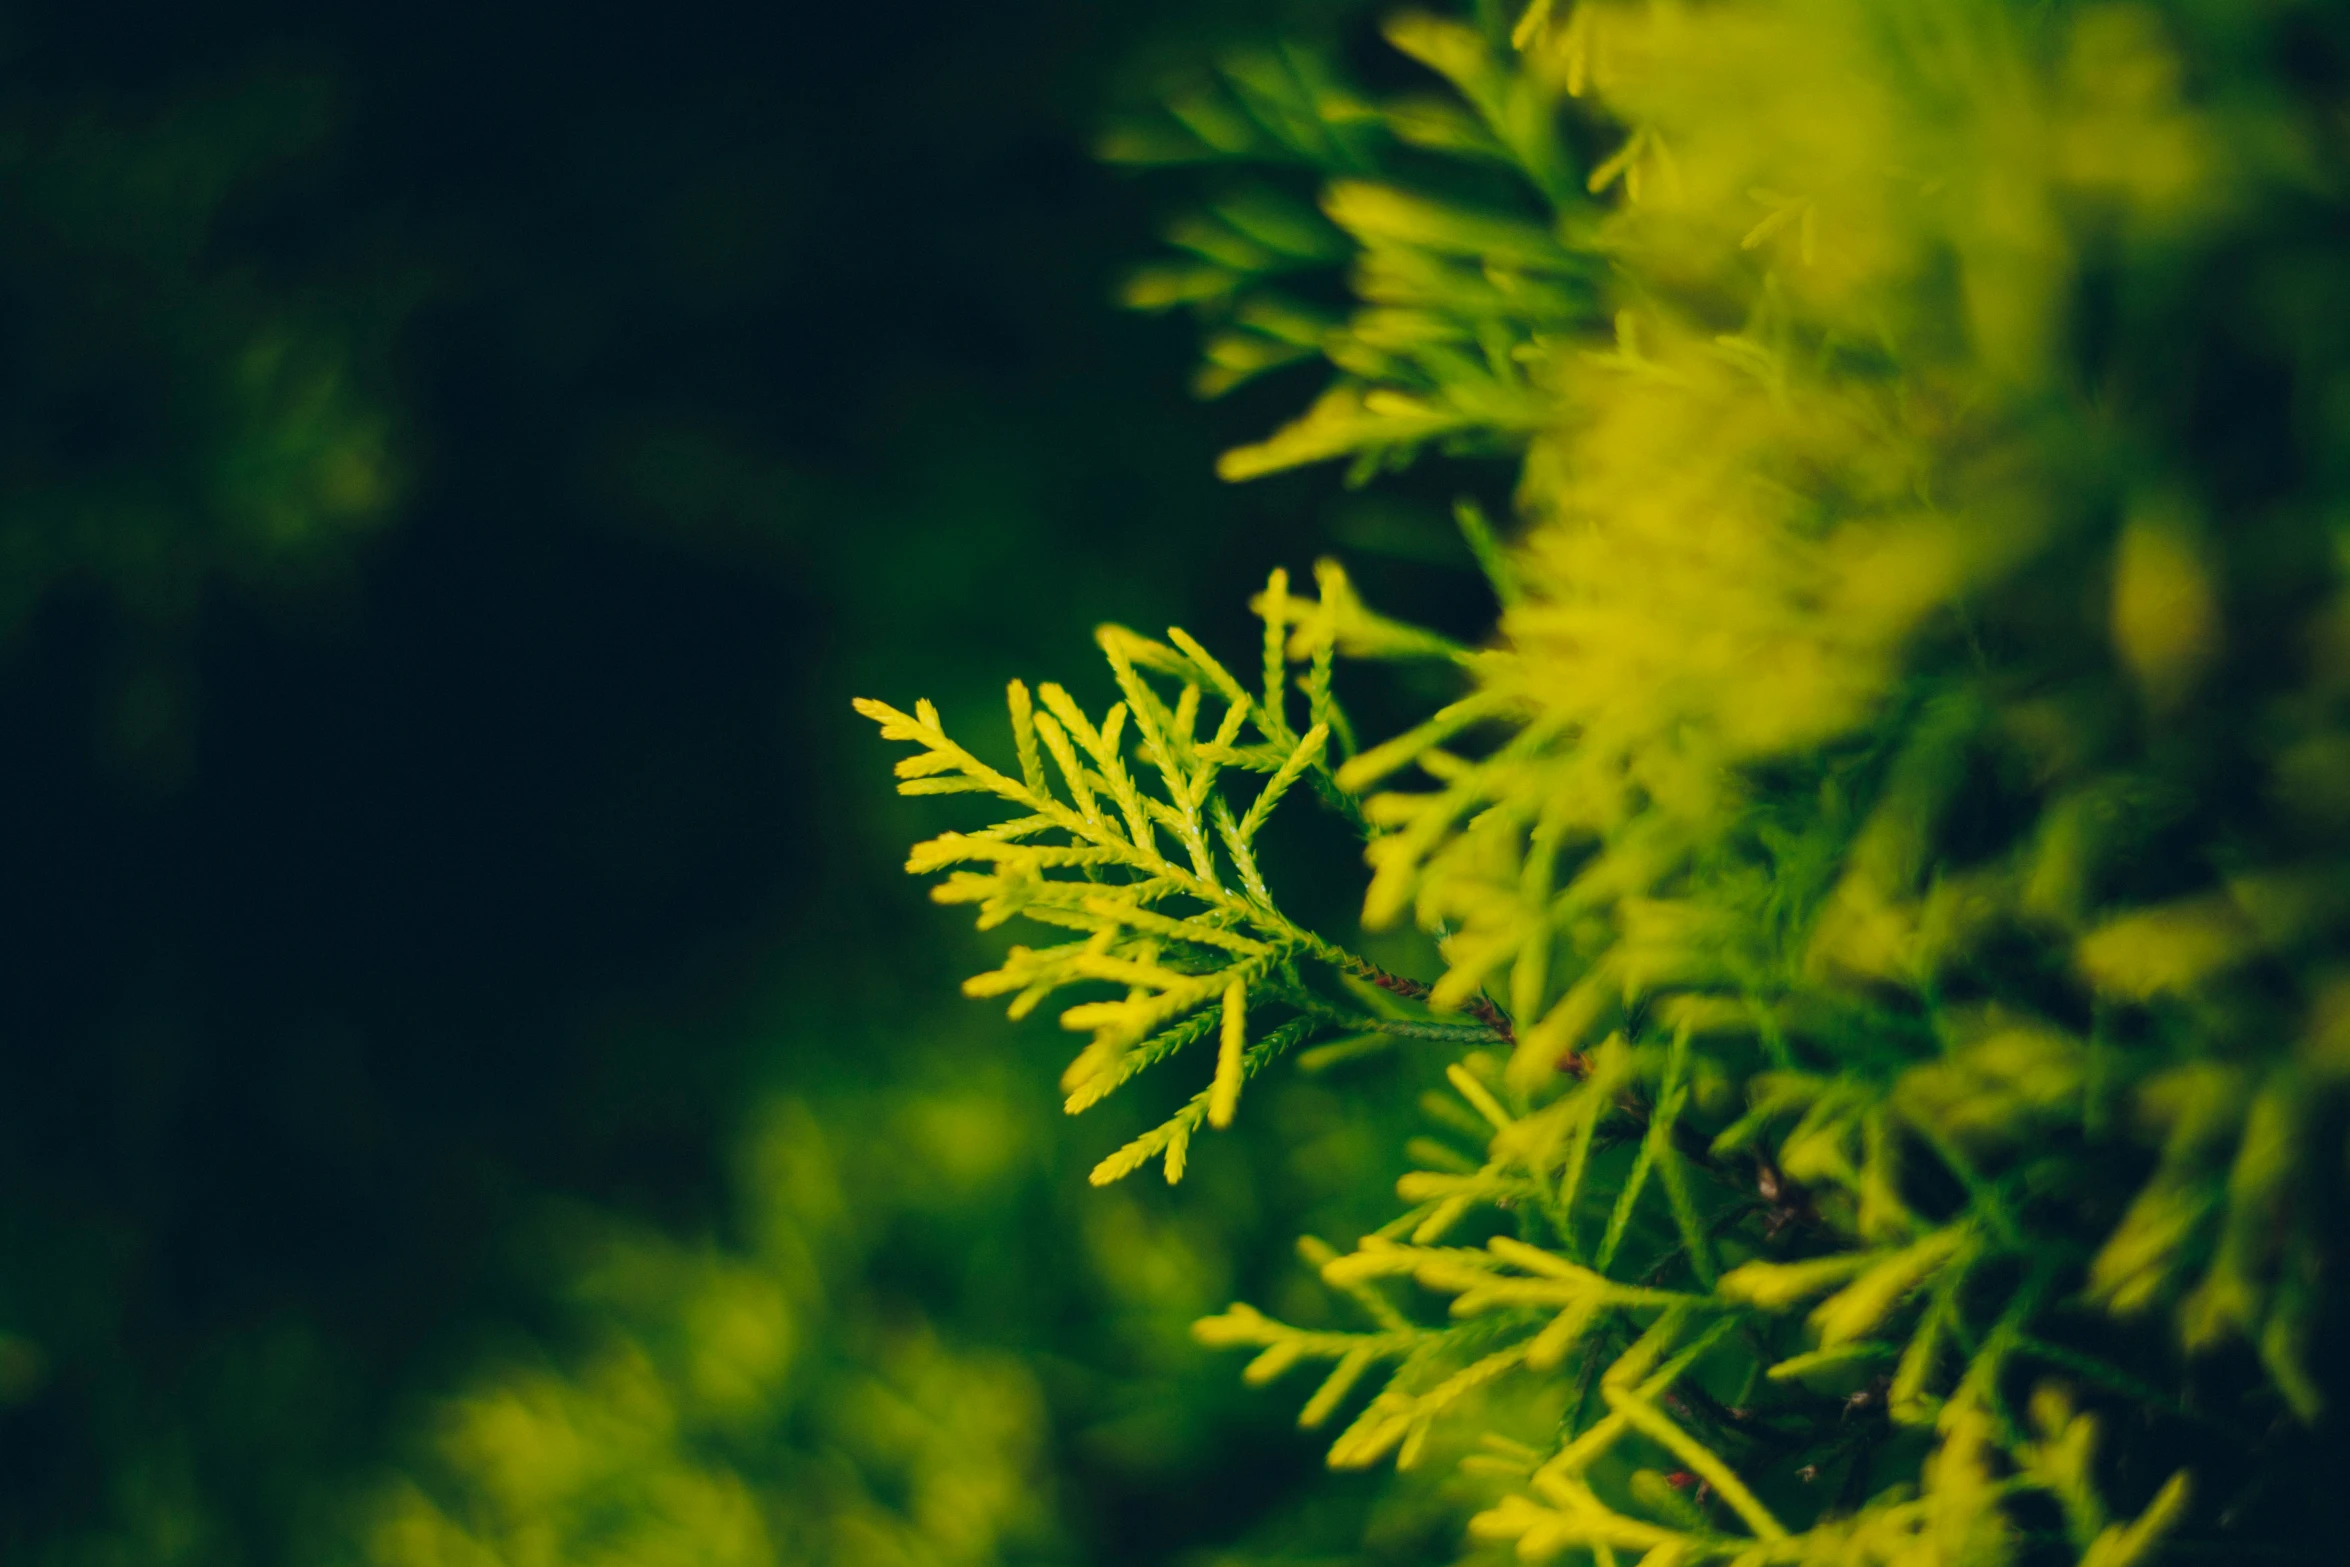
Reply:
x=1900 y=810
x=171 y=413
x=744 y=1404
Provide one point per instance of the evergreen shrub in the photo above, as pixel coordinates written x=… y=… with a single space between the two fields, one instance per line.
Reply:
x=1891 y=860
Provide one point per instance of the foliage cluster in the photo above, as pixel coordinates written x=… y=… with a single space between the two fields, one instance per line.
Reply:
x=737 y=1404
x=1889 y=863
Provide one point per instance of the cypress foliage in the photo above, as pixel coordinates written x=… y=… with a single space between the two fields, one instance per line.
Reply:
x=1891 y=863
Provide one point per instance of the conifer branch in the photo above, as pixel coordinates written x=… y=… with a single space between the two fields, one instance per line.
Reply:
x=1126 y=833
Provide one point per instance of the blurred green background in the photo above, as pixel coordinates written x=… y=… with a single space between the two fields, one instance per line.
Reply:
x=475 y=1086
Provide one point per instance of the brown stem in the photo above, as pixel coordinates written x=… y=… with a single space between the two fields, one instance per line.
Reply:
x=1479 y=1006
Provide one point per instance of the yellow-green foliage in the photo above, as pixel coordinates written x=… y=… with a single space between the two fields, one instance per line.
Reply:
x=1149 y=858
x=1901 y=825
x=736 y=1407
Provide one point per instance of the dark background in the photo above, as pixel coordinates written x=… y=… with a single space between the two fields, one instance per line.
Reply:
x=456 y=463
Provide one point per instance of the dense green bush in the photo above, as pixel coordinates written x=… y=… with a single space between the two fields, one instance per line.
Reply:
x=1889 y=866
